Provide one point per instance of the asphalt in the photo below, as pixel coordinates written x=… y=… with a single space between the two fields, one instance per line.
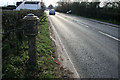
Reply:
x=91 y=46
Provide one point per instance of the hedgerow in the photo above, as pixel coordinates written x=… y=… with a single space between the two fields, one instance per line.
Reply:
x=15 y=48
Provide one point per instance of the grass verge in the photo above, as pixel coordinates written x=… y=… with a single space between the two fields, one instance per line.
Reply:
x=44 y=46
x=15 y=57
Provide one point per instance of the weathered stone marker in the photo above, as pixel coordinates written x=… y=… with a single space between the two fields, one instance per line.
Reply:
x=31 y=30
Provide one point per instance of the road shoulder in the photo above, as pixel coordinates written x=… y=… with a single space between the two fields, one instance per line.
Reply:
x=61 y=54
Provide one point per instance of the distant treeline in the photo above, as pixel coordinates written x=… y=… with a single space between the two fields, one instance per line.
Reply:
x=9 y=7
x=110 y=10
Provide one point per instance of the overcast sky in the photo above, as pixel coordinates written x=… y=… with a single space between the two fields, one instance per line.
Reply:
x=47 y=2
x=10 y=2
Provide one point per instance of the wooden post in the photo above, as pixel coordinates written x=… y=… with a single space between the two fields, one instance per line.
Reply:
x=32 y=50
x=31 y=31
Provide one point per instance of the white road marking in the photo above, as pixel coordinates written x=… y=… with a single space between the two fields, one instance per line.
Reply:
x=99 y=31
x=86 y=26
x=65 y=50
x=82 y=24
x=109 y=36
x=75 y=20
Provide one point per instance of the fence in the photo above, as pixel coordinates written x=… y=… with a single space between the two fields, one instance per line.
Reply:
x=12 y=22
x=13 y=31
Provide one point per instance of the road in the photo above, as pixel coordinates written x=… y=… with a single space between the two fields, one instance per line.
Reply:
x=91 y=46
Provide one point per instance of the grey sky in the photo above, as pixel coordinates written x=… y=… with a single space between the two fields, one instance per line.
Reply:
x=10 y=2
x=47 y=2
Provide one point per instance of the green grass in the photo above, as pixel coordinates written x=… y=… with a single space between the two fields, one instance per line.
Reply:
x=15 y=59
x=44 y=46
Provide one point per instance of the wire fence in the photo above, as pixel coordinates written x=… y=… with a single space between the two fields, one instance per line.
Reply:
x=13 y=30
x=41 y=22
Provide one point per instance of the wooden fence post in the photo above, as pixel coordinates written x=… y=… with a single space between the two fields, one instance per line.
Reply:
x=31 y=30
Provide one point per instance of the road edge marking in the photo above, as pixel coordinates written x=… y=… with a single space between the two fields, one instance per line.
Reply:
x=109 y=36
x=64 y=49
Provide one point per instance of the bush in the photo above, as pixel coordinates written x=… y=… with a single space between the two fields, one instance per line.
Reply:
x=14 y=43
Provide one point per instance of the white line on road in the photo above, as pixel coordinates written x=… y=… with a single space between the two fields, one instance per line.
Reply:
x=77 y=21
x=109 y=36
x=86 y=26
x=77 y=75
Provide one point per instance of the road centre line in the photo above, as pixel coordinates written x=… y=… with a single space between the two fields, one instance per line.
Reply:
x=82 y=24
x=85 y=25
x=109 y=36
x=77 y=21
x=74 y=19
x=99 y=31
